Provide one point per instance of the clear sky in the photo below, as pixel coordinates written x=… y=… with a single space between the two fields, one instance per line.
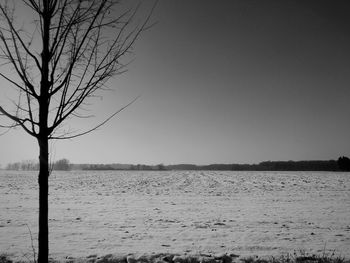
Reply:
x=236 y=81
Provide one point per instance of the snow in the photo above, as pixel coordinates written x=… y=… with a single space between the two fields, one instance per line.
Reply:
x=193 y=212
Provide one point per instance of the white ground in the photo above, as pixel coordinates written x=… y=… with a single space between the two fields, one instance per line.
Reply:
x=246 y=213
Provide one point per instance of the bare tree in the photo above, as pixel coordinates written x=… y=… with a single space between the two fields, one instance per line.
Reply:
x=60 y=60
x=62 y=165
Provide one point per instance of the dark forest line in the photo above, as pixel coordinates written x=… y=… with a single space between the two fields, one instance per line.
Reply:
x=342 y=164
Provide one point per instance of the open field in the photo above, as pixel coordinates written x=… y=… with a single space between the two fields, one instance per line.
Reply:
x=199 y=212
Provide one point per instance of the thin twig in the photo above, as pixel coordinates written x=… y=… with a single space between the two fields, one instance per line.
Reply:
x=32 y=244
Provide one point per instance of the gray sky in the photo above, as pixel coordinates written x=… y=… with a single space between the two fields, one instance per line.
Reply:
x=236 y=81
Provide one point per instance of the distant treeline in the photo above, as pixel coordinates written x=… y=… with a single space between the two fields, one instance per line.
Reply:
x=118 y=166
x=31 y=165
x=330 y=165
x=342 y=164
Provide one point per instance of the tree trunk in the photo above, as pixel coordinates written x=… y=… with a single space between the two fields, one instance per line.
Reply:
x=43 y=238
x=44 y=102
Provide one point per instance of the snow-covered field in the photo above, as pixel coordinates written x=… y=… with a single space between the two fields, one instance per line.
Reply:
x=121 y=212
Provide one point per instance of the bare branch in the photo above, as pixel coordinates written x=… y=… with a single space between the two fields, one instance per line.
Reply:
x=17 y=120
x=15 y=32
x=97 y=126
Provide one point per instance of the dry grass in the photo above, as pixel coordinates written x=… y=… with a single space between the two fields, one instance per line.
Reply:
x=296 y=257
x=299 y=257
